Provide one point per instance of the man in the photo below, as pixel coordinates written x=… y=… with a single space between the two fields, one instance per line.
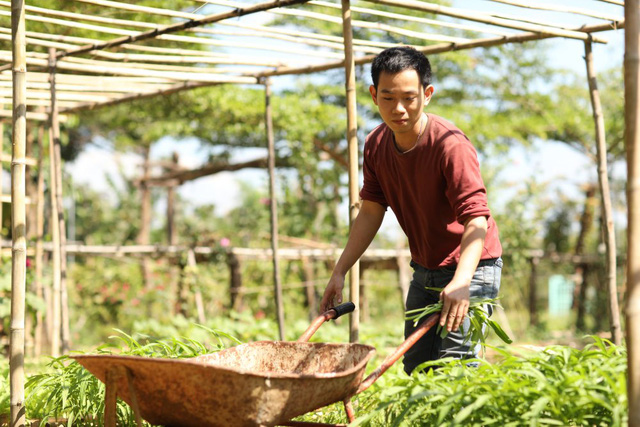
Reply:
x=427 y=171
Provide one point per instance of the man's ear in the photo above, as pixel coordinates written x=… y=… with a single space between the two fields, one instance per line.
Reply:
x=428 y=93
x=374 y=95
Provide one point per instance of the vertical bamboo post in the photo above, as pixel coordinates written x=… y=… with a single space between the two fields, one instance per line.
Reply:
x=191 y=271
x=54 y=135
x=144 y=235
x=274 y=207
x=171 y=203
x=352 y=139
x=39 y=258
x=632 y=141
x=605 y=196
x=309 y=286
x=55 y=250
x=59 y=221
x=533 y=294
x=18 y=215
x=235 y=282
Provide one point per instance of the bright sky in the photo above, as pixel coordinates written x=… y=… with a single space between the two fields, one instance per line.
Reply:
x=551 y=161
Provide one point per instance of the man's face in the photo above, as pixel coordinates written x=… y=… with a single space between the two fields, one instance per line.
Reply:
x=401 y=99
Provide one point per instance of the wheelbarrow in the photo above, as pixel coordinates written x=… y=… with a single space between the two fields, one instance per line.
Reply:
x=264 y=383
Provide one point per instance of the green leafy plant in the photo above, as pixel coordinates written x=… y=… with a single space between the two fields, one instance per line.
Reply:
x=556 y=386
x=478 y=317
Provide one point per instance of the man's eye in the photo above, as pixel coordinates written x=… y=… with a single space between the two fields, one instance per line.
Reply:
x=410 y=98
x=387 y=99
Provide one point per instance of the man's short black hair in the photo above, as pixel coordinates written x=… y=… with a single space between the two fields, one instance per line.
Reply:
x=397 y=59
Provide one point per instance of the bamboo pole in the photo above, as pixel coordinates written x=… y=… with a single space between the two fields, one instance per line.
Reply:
x=172 y=75
x=60 y=223
x=54 y=225
x=439 y=48
x=557 y=8
x=40 y=117
x=144 y=234
x=39 y=333
x=605 y=197
x=254 y=32
x=161 y=36
x=171 y=200
x=18 y=218
x=632 y=141
x=70 y=42
x=182 y=26
x=366 y=24
x=274 y=208
x=352 y=139
x=411 y=18
x=485 y=19
x=178 y=87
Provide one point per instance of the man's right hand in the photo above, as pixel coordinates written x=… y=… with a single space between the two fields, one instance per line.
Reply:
x=332 y=293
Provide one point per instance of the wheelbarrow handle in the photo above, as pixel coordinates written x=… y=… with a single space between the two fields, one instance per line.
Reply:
x=344 y=308
x=332 y=313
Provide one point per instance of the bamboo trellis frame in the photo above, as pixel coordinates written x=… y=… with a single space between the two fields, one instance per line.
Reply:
x=158 y=65
x=162 y=76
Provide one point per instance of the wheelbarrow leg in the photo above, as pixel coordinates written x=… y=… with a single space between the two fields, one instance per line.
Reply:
x=110 y=397
x=348 y=408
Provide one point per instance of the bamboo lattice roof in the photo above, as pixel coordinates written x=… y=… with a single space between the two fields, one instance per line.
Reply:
x=222 y=41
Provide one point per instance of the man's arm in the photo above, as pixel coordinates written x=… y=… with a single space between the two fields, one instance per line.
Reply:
x=455 y=296
x=363 y=231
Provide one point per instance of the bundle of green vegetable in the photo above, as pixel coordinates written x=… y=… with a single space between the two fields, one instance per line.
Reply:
x=478 y=317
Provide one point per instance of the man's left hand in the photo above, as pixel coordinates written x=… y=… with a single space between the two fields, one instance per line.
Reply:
x=455 y=305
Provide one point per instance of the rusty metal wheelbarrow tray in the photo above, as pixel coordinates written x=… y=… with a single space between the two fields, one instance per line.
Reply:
x=264 y=383
x=260 y=383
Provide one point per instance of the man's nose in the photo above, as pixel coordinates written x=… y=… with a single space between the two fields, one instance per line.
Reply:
x=398 y=107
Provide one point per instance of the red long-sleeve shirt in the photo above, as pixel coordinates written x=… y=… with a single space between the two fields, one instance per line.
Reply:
x=432 y=189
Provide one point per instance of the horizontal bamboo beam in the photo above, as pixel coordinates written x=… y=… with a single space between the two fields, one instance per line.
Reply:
x=79 y=41
x=40 y=102
x=63 y=87
x=440 y=48
x=557 y=8
x=142 y=9
x=66 y=96
x=360 y=24
x=6 y=198
x=156 y=58
x=371 y=25
x=410 y=18
x=93 y=80
x=6 y=115
x=486 y=19
x=201 y=77
x=255 y=32
x=183 y=39
x=123 y=63
x=183 y=26
x=173 y=89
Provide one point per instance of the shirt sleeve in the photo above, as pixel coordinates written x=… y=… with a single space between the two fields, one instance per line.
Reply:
x=465 y=189
x=371 y=189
